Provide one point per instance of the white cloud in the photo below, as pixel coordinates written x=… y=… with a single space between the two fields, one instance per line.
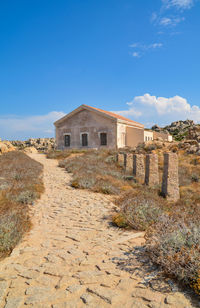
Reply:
x=152 y=109
x=171 y=11
x=154 y=16
x=155 y=45
x=179 y=4
x=166 y=21
x=140 y=48
x=136 y=54
x=164 y=105
x=131 y=112
x=146 y=46
x=24 y=127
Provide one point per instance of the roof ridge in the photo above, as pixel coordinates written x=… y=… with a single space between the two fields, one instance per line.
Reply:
x=117 y=116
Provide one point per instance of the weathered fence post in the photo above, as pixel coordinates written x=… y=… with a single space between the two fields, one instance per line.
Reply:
x=170 y=181
x=138 y=167
x=129 y=163
x=151 y=170
x=121 y=159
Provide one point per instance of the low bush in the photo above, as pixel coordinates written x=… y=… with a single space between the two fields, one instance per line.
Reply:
x=20 y=184
x=141 y=207
x=119 y=220
x=174 y=244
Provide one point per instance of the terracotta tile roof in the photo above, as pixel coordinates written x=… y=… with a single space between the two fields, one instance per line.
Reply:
x=117 y=116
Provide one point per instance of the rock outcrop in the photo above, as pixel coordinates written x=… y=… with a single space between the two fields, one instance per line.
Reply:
x=181 y=130
x=6 y=146
x=40 y=144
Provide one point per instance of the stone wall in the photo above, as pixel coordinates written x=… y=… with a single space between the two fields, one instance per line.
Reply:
x=162 y=135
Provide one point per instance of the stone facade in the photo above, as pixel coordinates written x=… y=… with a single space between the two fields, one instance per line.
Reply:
x=170 y=183
x=138 y=167
x=91 y=127
x=86 y=122
x=151 y=170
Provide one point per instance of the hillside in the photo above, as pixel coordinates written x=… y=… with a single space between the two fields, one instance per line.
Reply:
x=181 y=130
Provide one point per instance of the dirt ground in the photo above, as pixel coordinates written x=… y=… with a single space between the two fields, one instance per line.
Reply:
x=74 y=257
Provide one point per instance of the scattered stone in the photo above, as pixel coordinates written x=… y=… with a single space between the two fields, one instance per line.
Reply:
x=42 y=294
x=147 y=295
x=126 y=284
x=108 y=295
x=3 y=288
x=178 y=300
x=74 y=288
x=29 y=274
x=14 y=302
x=55 y=270
x=87 y=298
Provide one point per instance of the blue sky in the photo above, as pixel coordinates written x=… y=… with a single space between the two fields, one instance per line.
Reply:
x=139 y=58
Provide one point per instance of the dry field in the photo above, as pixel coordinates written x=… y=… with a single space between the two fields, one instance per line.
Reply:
x=20 y=185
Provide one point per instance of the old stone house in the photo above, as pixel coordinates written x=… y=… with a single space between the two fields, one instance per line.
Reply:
x=89 y=127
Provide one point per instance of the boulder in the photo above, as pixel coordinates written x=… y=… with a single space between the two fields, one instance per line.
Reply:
x=30 y=150
x=40 y=144
x=6 y=146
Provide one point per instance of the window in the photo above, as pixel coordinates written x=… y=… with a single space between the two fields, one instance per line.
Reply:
x=146 y=138
x=84 y=138
x=67 y=140
x=103 y=139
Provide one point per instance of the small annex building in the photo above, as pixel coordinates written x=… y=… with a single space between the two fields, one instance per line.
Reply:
x=91 y=127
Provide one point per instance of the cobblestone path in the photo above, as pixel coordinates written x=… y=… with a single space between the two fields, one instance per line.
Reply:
x=66 y=259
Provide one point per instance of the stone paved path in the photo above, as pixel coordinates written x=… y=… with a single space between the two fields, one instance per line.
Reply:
x=65 y=261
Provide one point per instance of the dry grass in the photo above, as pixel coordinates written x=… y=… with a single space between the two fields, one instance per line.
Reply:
x=58 y=154
x=20 y=185
x=97 y=171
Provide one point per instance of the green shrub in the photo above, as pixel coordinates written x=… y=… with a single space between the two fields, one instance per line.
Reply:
x=119 y=220
x=195 y=177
